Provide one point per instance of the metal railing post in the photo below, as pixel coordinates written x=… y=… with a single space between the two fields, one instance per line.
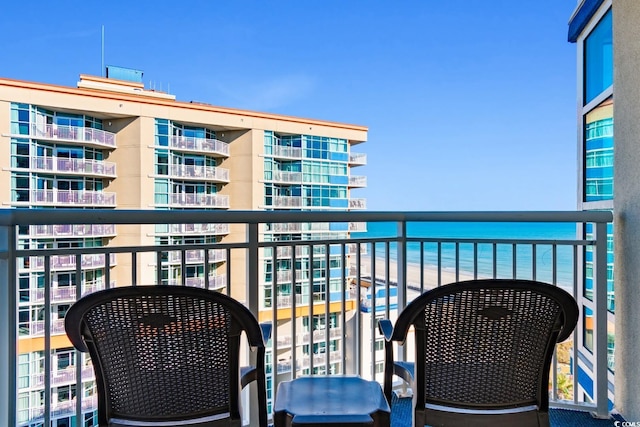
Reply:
x=600 y=312
x=8 y=326
x=402 y=275
x=252 y=302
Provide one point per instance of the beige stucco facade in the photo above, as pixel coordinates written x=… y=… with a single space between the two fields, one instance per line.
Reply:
x=130 y=112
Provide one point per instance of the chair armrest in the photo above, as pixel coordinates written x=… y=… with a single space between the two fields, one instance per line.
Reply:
x=386 y=329
x=404 y=370
x=250 y=373
x=247 y=374
x=266 y=332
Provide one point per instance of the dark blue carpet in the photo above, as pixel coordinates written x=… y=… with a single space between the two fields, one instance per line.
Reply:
x=401 y=416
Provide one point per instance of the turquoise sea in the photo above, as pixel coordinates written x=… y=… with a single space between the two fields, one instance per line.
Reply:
x=523 y=261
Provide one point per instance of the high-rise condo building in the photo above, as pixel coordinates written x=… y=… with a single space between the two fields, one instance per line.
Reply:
x=591 y=29
x=109 y=143
x=605 y=33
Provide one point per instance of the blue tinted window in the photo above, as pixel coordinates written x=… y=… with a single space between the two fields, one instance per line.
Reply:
x=598 y=153
x=598 y=59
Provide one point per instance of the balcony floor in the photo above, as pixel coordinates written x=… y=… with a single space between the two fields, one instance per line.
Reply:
x=401 y=416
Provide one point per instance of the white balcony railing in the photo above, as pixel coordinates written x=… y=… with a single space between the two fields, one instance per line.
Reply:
x=68 y=262
x=196 y=200
x=65 y=407
x=72 y=230
x=357 y=159
x=215 y=281
x=71 y=198
x=296 y=227
x=341 y=294
x=196 y=256
x=287 y=202
x=77 y=134
x=357 y=203
x=62 y=293
x=287 y=152
x=200 y=145
x=288 y=177
x=357 y=181
x=197 y=229
x=199 y=173
x=358 y=227
x=85 y=167
x=62 y=376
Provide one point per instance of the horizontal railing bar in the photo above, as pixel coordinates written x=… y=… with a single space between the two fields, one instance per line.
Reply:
x=128 y=249
x=516 y=240
x=125 y=216
x=289 y=243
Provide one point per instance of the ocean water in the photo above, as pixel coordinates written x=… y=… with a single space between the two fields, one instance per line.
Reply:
x=507 y=259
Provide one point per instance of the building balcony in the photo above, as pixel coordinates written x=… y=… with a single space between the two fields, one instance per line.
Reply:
x=357 y=159
x=357 y=181
x=286 y=301
x=315 y=228
x=287 y=177
x=393 y=265
x=68 y=262
x=61 y=377
x=60 y=409
x=320 y=359
x=287 y=152
x=287 y=202
x=197 y=200
x=359 y=227
x=74 y=134
x=195 y=229
x=64 y=166
x=199 y=173
x=319 y=335
x=72 y=230
x=295 y=227
x=285 y=251
x=37 y=328
x=196 y=256
x=59 y=293
x=357 y=203
x=210 y=147
x=76 y=198
x=215 y=282
x=286 y=276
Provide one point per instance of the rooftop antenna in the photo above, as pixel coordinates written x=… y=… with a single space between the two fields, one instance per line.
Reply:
x=102 y=73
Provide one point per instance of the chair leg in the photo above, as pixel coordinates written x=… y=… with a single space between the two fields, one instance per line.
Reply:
x=262 y=400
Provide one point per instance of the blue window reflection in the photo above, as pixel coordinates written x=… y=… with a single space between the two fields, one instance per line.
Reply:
x=598 y=56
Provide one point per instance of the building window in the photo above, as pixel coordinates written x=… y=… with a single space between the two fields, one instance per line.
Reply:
x=598 y=153
x=587 y=329
x=20 y=187
x=598 y=59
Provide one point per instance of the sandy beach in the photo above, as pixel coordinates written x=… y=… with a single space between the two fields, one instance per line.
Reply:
x=429 y=275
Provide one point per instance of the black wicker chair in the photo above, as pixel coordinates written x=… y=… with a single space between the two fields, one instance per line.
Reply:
x=484 y=349
x=168 y=355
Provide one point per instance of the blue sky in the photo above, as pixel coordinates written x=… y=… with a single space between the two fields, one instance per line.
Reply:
x=470 y=104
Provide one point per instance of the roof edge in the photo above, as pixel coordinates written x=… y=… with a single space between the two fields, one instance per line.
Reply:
x=581 y=17
x=175 y=103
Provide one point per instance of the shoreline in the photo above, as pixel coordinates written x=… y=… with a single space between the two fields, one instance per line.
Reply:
x=429 y=273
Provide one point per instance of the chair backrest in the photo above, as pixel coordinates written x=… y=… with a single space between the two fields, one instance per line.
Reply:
x=487 y=344
x=163 y=352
